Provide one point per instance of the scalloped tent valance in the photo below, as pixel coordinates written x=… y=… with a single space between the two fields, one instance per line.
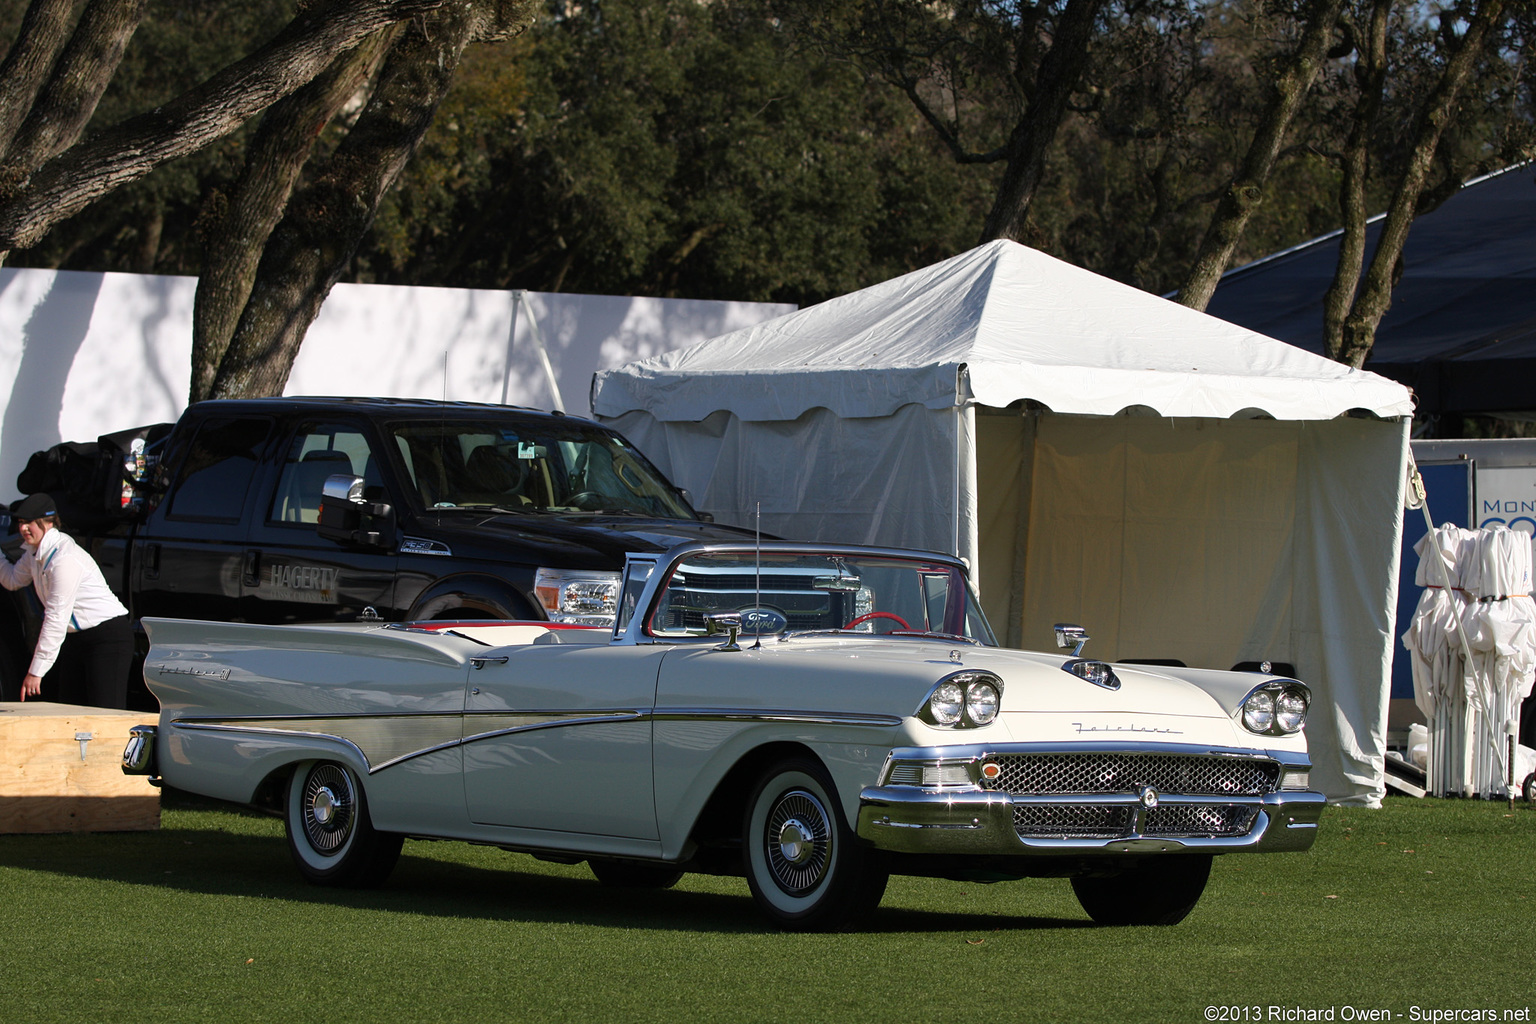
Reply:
x=999 y=324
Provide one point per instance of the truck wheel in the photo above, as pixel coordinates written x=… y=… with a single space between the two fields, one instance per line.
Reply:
x=1528 y=788
x=329 y=834
x=633 y=874
x=1161 y=890
x=806 y=869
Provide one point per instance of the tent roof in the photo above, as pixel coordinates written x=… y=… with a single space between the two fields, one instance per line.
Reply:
x=1462 y=328
x=1023 y=324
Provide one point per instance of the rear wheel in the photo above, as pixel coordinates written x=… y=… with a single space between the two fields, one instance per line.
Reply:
x=806 y=869
x=330 y=836
x=634 y=874
x=1160 y=890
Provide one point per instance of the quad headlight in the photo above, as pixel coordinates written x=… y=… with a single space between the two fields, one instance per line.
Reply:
x=963 y=699
x=1276 y=708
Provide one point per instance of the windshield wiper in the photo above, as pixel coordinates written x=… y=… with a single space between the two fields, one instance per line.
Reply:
x=485 y=508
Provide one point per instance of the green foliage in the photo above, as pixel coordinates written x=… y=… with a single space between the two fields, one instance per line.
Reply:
x=668 y=147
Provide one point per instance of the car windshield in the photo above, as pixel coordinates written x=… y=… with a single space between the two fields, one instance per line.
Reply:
x=784 y=592
x=532 y=467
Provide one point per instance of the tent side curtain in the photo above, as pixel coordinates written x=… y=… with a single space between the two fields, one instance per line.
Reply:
x=1212 y=543
x=888 y=481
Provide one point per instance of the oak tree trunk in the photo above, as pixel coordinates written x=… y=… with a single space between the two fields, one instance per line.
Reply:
x=1371 y=76
x=1359 y=331
x=45 y=28
x=237 y=229
x=61 y=111
x=1025 y=152
x=1246 y=192
x=309 y=249
x=132 y=148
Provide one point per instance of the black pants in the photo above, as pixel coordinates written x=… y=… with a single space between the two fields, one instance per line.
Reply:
x=93 y=665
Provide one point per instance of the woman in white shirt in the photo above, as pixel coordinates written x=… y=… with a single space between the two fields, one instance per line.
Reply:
x=85 y=646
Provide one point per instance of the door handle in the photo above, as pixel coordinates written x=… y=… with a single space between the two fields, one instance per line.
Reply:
x=482 y=662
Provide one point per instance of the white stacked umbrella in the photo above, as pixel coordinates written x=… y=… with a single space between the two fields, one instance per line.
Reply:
x=1436 y=652
x=1501 y=627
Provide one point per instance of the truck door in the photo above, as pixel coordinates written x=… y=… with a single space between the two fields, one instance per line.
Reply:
x=289 y=573
x=188 y=557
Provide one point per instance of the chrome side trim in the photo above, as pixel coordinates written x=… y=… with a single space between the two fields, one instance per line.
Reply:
x=384 y=740
x=214 y=726
x=775 y=715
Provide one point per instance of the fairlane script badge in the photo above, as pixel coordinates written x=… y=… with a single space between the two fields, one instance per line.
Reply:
x=1125 y=728
x=189 y=670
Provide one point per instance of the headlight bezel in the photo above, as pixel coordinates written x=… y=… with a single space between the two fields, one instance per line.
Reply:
x=980 y=700
x=1270 y=708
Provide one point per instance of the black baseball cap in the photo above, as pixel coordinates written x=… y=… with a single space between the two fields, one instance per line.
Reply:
x=35 y=506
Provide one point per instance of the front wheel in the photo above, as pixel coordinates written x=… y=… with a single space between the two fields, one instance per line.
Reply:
x=1161 y=890
x=329 y=834
x=806 y=869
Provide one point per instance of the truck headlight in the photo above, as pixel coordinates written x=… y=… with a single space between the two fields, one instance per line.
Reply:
x=582 y=598
x=1276 y=708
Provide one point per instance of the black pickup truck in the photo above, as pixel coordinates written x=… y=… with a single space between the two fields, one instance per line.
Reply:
x=339 y=509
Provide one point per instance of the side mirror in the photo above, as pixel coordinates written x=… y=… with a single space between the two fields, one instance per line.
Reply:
x=1070 y=634
x=348 y=519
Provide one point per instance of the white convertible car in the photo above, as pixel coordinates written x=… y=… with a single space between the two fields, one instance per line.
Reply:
x=815 y=718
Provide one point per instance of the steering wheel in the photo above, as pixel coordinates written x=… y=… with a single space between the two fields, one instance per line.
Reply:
x=587 y=501
x=878 y=615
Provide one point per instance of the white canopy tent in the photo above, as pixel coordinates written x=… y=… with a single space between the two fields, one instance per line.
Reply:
x=1184 y=488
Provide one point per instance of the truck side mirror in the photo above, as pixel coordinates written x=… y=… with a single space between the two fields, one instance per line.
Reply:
x=347 y=518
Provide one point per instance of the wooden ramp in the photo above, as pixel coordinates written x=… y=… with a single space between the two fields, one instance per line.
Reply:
x=61 y=771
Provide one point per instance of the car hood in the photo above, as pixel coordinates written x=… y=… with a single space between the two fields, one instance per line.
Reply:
x=1041 y=701
x=578 y=541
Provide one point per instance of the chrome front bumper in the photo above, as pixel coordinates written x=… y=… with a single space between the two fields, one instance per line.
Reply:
x=960 y=817
x=904 y=820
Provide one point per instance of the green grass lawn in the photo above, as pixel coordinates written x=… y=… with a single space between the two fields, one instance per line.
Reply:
x=1428 y=904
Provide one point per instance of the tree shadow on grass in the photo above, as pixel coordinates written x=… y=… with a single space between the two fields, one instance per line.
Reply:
x=432 y=879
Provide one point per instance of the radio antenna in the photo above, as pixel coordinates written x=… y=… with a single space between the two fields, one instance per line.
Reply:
x=758 y=573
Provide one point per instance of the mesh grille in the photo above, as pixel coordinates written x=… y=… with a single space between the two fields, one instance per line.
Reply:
x=1189 y=774
x=1199 y=821
x=1097 y=822
x=1072 y=822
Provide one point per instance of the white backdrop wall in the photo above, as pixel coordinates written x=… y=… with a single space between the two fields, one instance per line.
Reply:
x=88 y=354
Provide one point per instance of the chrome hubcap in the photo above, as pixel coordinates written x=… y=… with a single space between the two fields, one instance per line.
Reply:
x=796 y=844
x=323 y=806
x=330 y=808
x=798 y=838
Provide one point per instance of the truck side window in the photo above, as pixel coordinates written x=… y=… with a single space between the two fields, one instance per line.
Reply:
x=317 y=451
x=218 y=470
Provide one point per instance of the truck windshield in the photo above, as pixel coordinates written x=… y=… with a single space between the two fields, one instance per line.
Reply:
x=532 y=467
